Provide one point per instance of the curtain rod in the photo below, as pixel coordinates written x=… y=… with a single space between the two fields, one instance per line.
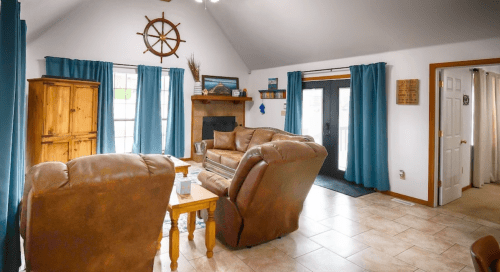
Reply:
x=327 y=69
x=130 y=66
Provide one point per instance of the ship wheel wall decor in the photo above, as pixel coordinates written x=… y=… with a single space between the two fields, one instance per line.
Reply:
x=152 y=36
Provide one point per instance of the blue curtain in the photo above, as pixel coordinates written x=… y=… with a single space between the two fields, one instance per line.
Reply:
x=293 y=117
x=367 y=162
x=12 y=130
x=98 y=71
x=175 y=121
x=147 y=129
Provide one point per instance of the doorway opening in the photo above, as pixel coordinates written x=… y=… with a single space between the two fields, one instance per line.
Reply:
x=468 y=140
x=325 y=116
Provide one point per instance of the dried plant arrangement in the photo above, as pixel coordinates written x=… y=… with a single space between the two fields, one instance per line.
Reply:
x=195 y=68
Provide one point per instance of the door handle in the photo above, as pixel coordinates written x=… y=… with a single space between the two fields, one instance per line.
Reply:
x=463 y=142
x=327 y=125
x=72 y=110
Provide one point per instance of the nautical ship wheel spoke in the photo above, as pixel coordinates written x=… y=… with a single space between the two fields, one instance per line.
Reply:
x=161 y=37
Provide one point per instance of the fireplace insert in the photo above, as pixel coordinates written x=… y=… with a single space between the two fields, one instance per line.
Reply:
x=218 y=123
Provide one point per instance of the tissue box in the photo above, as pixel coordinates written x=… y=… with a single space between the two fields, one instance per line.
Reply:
x=183 y=186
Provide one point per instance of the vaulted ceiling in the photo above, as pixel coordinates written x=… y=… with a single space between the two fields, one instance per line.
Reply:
x=271 y=33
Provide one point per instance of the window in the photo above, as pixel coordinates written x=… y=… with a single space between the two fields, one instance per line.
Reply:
x=312 y=114
x=124 y=99
x=344 y=103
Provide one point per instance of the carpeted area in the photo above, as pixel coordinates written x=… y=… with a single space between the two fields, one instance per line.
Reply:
x=342 y=186
x=482 y=203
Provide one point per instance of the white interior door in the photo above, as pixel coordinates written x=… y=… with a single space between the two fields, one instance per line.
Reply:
x=451 y=138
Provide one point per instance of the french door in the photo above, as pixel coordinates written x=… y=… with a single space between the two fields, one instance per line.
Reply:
x=328 y=117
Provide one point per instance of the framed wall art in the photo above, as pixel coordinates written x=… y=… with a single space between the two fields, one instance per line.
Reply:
x=219 y=85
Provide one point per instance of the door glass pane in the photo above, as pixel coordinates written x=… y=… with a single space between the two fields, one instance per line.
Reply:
x=312 y=114
x=344 y=98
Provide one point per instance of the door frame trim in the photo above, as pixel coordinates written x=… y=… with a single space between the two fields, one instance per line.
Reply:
x=433 y=107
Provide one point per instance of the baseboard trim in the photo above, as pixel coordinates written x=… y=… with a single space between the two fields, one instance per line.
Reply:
x=407 y=198
x=466 y=188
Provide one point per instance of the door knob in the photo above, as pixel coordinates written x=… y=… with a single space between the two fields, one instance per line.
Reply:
x=463 y=142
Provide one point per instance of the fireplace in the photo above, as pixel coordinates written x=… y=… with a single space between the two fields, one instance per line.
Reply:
x=217 y=123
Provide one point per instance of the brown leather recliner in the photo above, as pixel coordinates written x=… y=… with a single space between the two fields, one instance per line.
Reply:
x=485 y=254
x=264 y=199
x=95 y=213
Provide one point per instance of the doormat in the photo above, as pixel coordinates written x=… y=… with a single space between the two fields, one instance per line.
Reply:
x=181 y=224
x=342 y=186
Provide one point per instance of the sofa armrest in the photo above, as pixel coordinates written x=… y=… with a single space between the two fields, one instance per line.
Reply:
x=206 y=145
x=214 y=183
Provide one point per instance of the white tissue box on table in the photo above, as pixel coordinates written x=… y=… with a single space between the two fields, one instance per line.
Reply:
x=183 y=186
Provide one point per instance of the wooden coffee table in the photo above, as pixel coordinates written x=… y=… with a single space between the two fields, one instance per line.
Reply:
x=199 y=199
x=180 y=166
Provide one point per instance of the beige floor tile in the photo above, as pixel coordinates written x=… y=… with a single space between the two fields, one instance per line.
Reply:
x=425 y=241
x=196 y=248
x=485 y=231
x=468 y=269
x=318 y=213
x=223 y=261
x=420 y=224
x=268 y=258
x=383 y=211
x=308 y=227
x=344 y=225
x=353 y=213
x=381 y=224
x=319 y=200
x=459 y=254
x=482 y=222
x=383 y=200
x=451 y=213
x=320 y=191
x=374 y=260
x=295 y=244
x=325 y=260
x=418 y=210
x=429 y=261
x=162 y=264
x=383 y=242
x=341 y=199
x=339 y=243
x=456 y=236
x=456 y=223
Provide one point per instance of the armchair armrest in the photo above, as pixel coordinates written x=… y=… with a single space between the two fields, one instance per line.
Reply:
x=205 y=145
x=214 y=183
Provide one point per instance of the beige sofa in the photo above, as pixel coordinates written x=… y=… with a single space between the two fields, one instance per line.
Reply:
x=223 y=154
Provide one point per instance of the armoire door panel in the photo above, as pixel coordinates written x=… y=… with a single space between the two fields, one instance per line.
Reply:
x=83 y=147
x=57 y=109
x=56 y=151
x=84 y=109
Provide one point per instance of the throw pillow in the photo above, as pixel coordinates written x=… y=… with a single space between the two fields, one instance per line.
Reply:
x=224 y=140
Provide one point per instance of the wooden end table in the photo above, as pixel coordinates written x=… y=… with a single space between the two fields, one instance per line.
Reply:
x=199 y=199
x=180 y=166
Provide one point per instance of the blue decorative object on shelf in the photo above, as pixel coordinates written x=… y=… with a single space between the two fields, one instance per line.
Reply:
x=262 y=108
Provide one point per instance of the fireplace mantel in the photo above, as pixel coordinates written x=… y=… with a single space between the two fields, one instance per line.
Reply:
x=205 y=99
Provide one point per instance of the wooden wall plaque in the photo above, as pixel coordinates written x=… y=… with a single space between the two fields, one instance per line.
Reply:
x=407 y=92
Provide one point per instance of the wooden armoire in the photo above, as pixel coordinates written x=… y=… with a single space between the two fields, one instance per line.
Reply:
x=62 y=120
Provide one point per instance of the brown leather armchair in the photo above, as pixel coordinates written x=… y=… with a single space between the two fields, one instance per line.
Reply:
x=95 y=213
x=264 y=199
x=485 y=254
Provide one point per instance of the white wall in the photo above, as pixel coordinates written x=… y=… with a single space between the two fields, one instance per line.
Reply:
x=106 y=30
x=408 y=126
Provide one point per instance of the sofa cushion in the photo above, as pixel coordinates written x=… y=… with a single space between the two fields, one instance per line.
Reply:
x=228 y=158
x=242 y=138
x=214 y=183
x=224 y=140
x=261 y=136
x=283 y=137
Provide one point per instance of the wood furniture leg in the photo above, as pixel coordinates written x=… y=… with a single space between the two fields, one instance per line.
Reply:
x=191 y=225
x=158 y=246
x=174 y=240
x=210 y=230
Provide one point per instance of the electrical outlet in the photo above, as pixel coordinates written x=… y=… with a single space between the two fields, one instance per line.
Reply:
x=402 y=174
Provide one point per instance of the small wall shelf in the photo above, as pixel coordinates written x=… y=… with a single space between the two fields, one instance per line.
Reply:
x=205 y=99
x=272 y=94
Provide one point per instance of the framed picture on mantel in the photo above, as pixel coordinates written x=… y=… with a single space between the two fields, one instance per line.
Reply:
x=218 y=85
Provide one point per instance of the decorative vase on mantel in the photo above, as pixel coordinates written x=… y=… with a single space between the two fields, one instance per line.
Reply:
x=197 y=88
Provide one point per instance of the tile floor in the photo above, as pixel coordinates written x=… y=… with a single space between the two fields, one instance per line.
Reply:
x=341 y=233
